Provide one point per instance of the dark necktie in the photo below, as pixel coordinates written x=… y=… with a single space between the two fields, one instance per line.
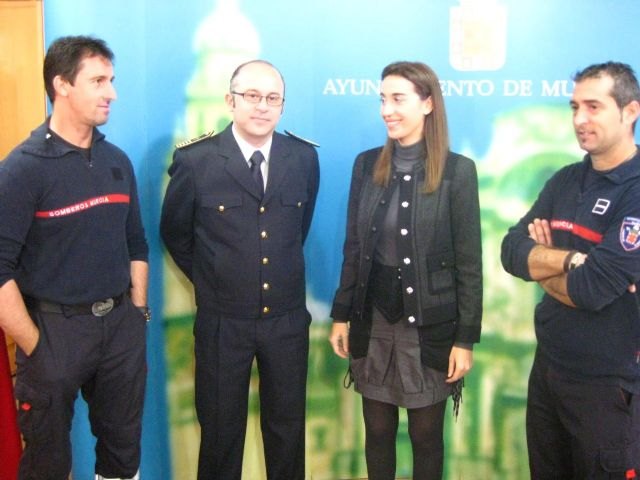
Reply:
x=256 y=159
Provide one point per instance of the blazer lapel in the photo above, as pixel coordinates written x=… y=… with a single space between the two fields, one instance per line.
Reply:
x=236 y=166
x=279 y=164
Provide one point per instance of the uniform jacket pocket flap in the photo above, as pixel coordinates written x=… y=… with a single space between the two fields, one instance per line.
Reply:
x=292 y=197
x=221 y=201
x=441 y=271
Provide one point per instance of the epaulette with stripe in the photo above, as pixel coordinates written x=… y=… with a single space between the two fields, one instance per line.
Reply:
x=304 y=140
x=195 y=140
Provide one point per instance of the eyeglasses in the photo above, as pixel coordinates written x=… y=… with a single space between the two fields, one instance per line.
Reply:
x=251 y=96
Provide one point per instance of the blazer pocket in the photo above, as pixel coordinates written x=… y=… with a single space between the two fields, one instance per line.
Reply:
x=435 y=344
x=441 y=272
x=358 y=344
x=221 y=201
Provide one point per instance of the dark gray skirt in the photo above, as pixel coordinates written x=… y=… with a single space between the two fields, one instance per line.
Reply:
x=392 y=372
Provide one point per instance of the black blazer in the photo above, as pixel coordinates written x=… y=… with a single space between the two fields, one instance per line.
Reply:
x=445 y=272
x=242 y=252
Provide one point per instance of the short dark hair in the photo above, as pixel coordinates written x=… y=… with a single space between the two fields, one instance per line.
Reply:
x=625 y=84
x=65 y=55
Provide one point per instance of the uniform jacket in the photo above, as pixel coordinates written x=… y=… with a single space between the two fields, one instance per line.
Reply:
x=441 y=260
x=600 y=339
x=69 y=228
x=242 y=252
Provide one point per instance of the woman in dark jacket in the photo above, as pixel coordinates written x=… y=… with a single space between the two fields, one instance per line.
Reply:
x=409 y=305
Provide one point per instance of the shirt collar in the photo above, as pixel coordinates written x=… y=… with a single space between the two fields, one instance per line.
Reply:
x=247 y=149
x=623 y=172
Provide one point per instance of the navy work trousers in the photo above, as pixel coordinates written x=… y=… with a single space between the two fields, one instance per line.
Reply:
x=578 y=430
x=104 y=357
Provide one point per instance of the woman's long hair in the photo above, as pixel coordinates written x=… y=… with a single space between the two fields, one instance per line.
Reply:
x=435 y=130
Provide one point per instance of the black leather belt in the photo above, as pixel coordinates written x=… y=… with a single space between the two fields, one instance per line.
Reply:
x=97 y=309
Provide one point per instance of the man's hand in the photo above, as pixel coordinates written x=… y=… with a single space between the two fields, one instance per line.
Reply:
x=540 y=232
x=544 y=260
x=15 y=320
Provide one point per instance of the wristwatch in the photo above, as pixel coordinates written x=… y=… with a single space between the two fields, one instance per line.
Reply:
x=573 y=260
x=146 y=312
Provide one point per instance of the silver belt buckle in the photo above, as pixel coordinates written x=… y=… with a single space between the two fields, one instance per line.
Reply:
x=102 y=307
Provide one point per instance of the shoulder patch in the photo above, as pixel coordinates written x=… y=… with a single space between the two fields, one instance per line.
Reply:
x=195 y=140
x=630 y=234
x=304 y=140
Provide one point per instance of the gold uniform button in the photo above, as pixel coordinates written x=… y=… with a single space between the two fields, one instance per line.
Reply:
x=265 y=286
x=262 y=209
x=221 y=208
x=263 y=234
x=265 y=261
x=266 y=309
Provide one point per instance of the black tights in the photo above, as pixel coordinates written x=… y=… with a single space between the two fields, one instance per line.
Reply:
x=425 y=431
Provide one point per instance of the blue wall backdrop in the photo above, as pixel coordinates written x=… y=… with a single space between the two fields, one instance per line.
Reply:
x=505 y=68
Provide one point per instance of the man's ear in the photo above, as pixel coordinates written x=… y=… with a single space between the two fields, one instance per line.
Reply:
x=631 y=112
x=230 y=101
x=61 y=86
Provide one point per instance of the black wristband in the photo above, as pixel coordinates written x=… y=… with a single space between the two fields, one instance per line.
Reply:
x=567 y=260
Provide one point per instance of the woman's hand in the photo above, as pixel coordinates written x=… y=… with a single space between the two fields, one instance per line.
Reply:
x=460 y=362
x=339 y=339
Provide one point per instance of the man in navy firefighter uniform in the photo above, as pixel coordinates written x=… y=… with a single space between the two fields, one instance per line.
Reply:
x=73 y=273
x=235 y=216
x=580 y=243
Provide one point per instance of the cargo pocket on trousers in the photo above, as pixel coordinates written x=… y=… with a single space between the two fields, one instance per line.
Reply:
x=622 y=459
x=33 y=407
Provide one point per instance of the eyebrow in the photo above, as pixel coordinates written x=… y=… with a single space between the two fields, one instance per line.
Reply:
x=587 y=101
x=96 y=77
x=259 y=92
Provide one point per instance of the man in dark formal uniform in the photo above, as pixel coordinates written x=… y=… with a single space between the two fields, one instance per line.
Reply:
x=235 y=216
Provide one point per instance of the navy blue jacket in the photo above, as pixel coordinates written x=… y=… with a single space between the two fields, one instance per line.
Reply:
x=69 y=229
x=242 y=252
x=600 y=339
